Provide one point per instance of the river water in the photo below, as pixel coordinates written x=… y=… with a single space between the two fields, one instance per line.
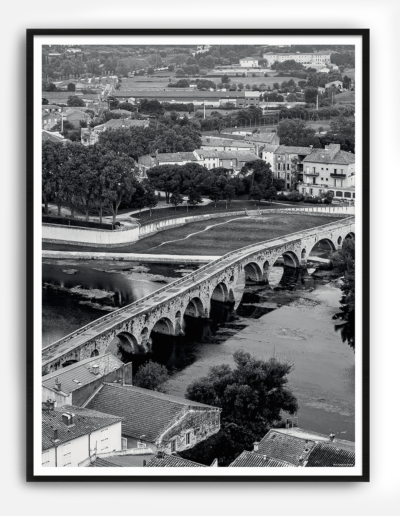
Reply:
x=290 y=319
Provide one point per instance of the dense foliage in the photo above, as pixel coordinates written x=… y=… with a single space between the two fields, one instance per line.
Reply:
x=252 y=397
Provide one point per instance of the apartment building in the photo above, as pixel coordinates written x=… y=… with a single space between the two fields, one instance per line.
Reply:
x=317 y=58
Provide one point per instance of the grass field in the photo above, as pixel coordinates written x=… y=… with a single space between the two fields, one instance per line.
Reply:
x=224 y=236
x=155 y=83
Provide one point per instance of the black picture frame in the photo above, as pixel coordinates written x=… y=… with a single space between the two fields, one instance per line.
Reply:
x=365 y=35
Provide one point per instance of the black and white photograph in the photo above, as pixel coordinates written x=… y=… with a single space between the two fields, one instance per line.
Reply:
x=199 y=240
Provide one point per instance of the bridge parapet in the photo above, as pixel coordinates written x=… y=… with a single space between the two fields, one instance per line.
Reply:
x=225 y=270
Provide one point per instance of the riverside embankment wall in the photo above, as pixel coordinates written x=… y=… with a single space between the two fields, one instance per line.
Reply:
x=101 y=238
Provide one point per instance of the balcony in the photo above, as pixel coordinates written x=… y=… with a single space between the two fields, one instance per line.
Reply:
x=338 y=176
x=314 y=174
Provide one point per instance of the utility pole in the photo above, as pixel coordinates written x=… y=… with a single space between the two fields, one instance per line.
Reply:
x=317 y=100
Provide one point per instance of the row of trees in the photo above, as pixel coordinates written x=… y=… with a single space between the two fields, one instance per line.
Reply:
x=89 y=179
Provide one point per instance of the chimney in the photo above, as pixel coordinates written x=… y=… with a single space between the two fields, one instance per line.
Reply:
x=51 y=404
x=264 y=457
x=160 y=454
x=332 y=437
x=57 y=384
x=95 y=369
x=255 y=446
x=68 y=418
x=55 y=434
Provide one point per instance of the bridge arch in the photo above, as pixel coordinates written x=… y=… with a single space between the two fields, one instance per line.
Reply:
x=350 y=235
x=95 y=353
x=220 y=293
x=324 y=244
x=164 y=325
x=128 y=341
x=290 y=259
x=195 y=308
x=253 y=272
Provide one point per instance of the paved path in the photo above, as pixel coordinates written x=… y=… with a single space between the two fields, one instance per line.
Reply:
x=129 y=257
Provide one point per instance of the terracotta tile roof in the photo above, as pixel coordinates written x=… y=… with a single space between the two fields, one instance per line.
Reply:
x=121 y=461
x=239 y=155
x=330 y=155
x=74 y=376
x=176 y=156
x=285 y=447
x=254 y=460
x=86 y=421
x=261 y=138
x=48 y=136
x=172 y=461
x=284 y=149
x=325 y=455
x=302 y=433
x=144 y=412
x=270 y=148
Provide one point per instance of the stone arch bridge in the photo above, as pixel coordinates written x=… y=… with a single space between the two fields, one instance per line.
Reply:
x=221 y=280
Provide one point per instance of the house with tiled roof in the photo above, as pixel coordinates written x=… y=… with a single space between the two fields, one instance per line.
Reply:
x=167 y=158
x=287 y=163
x=53 y=136
x=260 y=140
x=126 y=458
x=224 y=144
x=156 y=420
x=251 y=459
x=328 y=169
x=163 y=460
x=74 y=384
x=49 y=120
x=232 y=160
x=327 y=455
x=296 y=447
x=284 y=447
x=71 y=434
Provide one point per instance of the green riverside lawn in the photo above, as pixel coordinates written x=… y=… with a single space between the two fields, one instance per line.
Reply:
x=226 y=235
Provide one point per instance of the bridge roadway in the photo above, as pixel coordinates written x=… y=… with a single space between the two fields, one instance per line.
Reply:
x=163 y=310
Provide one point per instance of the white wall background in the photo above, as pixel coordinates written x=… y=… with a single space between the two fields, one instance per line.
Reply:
x=302 y=499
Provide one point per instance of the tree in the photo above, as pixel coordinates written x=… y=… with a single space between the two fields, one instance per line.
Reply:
x=343 y=261
x=179 y=72
x=252 y=397
x=310 y=95
x=152 y=376
x=149 y=198
x=228 y=194
x=194 y=197
x=209 y=62
x=256 y=193
x=225 y=79
x=74 y=101
x=71 y=86
x=328 y=196
x=150 y=70
x=295 y=132
x=176 y=198
x=44 y=102
x=171 y=68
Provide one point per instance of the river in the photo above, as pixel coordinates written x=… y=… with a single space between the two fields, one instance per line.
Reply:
x=292 y=321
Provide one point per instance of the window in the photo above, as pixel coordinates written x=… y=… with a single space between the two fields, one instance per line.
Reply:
x=187 y=439
x=141 y=445
x=173 y=446
x=144 y=463
x=339 y=194
x=347 y=194
x=303 y=190
x=308 y=169
x=311 y=191
x=124 y=443
x=354 y=195
x=335 y=170
x=45 y=458
x=67 y=456
x=104 y=439
x=288 y=167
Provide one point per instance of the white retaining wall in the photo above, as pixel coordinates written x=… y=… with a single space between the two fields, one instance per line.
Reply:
x=100 y=237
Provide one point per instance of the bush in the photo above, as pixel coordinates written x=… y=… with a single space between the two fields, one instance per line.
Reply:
x=295 y=196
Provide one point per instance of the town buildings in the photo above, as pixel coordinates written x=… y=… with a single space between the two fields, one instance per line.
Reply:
x=74 y=384
x=318 y=58
x=154 y=420
x=286 y=162
x=232 y=160
x=328 y=169
x=249 y=62
x=71 y=434
x=295 y=447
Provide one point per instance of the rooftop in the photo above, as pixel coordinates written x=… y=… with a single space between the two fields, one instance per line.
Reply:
x=86 y=421
x=172 y=461
x=239 y=155
x=209 y=141
x=74 y=376
x=261 y=138
x=172 y=157
x=315 y=436
x=145 y=413
x=121 y=461
x=326 y=455
x=331 y=154
x=284 y=149
x=285 y=447
x=254 y=460
x=119 y=122
x=48 y=136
